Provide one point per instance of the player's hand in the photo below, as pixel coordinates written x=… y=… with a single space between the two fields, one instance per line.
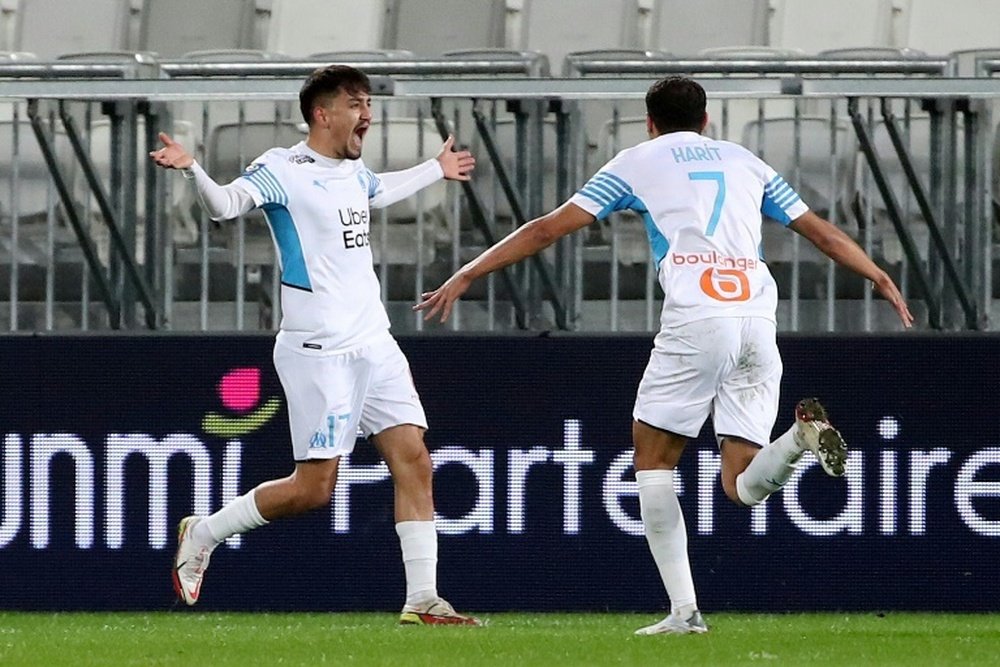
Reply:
x=443 y=298
x=891 y=293
x=456 y=165
x=172 y=155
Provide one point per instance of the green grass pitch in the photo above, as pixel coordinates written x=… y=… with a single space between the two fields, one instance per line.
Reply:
x=513 y=639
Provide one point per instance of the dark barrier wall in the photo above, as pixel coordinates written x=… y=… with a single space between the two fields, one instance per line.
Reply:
x=108 y=441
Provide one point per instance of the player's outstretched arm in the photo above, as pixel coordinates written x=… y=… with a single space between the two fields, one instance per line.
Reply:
x=221 y=201
x=523 y=242
x=172 y=155
x=456 y=165
x=841 y=248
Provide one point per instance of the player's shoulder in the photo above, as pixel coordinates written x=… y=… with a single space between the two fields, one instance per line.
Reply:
x=279 y=158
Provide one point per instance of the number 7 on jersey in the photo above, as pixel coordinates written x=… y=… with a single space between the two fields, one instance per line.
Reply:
x=720 y=195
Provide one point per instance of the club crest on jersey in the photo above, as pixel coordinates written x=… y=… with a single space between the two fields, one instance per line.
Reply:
x=300 y=159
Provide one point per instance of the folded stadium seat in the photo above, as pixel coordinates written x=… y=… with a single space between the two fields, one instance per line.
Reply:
x=818 y=25
x=8 y=12
x=7 y=107
x=49 y=28
x=301 y=27
x=920 y=156
x=231 y=147
x=596 y=113
x=32 y=195
x=967 y=60
x=227 y=112
x=361 y=55
x=179 y=217
x=558 y=28
x=942 y=27
x=775 y=141
x=430 y=27
x=730 y=115
x=173 y=28
x=685 y=28
x=404 y=148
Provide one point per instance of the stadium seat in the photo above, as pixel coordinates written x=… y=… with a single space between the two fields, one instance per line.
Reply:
x=942 y=27
x=818 y=25
x=33 y=174
x=775 y=143
x=685 y=28
x=173 y=28
x=49 y=28
x=403 y=150
x=919 y=149
x=301 y=27
x=967 y=61
x=558 y=28
x=362 y=55
x=428 y=28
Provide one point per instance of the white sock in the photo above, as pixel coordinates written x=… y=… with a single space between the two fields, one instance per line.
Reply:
x=418 y=542
x=769 y=470
x=666 y=535
x=238 y=516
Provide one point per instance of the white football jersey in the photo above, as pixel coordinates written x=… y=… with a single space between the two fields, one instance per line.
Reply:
x=702 y=202
x=318 y=215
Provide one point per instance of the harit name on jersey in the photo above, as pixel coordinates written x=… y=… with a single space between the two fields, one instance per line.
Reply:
x=356 y=234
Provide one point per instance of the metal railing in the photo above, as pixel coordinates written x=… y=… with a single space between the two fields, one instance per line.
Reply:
x=530 y=133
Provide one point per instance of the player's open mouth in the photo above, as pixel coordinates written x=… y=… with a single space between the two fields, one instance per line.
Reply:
x=360 y=132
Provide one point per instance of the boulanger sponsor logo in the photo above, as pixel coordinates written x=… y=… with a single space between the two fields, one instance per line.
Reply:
x=725 y=284
x=713 y=258
x=725 y=277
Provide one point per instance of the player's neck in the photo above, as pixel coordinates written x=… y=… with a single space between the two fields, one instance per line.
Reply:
x=318 y=145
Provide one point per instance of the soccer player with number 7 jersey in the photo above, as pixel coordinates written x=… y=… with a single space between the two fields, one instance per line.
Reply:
x=703 y=203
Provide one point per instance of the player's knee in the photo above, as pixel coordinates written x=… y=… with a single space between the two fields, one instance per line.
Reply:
x=414 y=462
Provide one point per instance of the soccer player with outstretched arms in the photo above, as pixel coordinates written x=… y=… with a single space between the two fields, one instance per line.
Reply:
x=338 y=364
x=703 y=203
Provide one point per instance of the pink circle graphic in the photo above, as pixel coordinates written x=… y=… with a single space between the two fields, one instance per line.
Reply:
x=239 y=389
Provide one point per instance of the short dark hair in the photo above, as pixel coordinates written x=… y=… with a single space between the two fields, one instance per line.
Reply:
x=326 y=82
x=676 y=104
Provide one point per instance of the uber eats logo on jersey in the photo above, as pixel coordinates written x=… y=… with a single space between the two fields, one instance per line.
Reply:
x=355 y=225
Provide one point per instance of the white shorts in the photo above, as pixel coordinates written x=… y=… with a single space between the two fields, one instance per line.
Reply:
x=727 y=367
x=331 y=395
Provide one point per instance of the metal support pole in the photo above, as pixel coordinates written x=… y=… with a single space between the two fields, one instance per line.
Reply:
x=86 y=244
x=479 y=220
x=892 y=207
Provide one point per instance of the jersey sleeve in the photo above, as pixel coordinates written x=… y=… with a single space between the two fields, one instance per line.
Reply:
x=780 y=202
x=605 y=193
x=260 y=181
x=371 y=182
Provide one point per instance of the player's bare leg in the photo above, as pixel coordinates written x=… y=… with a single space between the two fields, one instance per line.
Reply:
x=308 y=487
x=656 y=455
x=402 y=448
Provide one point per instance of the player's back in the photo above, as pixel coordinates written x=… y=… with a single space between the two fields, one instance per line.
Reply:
x=702 y=201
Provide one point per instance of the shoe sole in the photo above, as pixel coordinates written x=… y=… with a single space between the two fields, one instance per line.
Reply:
x=178 y=589
x=830 y=448
x=673 y=630
x=414 y=618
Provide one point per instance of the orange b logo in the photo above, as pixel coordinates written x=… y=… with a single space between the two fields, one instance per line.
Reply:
x=725 y=284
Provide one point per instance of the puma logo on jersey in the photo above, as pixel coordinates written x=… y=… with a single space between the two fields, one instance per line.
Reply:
x=319 y=185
